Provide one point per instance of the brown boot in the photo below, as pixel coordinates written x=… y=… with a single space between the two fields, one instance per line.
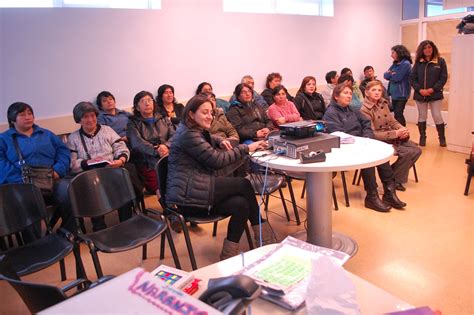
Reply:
x=229 y=249
x=267 y=234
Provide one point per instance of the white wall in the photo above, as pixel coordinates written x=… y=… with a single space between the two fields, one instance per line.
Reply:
x=54 y=58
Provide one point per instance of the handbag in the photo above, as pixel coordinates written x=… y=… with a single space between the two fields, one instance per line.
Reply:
x=40 y=176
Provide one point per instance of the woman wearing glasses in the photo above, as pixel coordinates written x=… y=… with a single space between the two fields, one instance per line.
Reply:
x=149 y=134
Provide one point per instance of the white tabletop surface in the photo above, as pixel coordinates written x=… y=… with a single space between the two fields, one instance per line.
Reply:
x=371 y=299
x=363 y=153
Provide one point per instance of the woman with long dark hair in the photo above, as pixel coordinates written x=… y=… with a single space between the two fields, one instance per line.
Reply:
x=250 y=120
x=308 y=101
x=167 y=105
x=193 y=186
x=398 y=76
x=428 y=77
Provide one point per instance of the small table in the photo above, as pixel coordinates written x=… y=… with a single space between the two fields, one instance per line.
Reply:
x=363 y=153
x=371 y=299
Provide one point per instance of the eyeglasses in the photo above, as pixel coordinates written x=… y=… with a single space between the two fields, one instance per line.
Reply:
x=146 y=100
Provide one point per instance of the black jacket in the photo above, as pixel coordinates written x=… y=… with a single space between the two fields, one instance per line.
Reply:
x=247 y=119
x=311 y=107
x=347 y=120
x=192 y=164
x=425 y=75
x=144 y=137
x=178 y=110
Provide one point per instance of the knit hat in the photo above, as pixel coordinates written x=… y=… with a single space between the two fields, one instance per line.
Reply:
x=83 y=108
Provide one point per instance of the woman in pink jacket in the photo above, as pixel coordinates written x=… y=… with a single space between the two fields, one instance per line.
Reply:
x=282 y=111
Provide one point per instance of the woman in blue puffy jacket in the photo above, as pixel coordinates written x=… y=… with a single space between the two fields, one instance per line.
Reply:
x=398 y=76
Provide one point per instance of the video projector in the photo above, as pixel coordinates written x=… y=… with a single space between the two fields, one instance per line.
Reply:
x=307 y=139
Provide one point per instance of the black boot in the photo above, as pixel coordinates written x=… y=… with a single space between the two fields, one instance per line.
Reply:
x=441 y=137
x=390 y=196
x=372 y=201
x=422 y=130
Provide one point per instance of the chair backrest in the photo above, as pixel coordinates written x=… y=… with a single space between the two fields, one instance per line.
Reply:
x=162 y=174
x=36 y=296
x=99 y=191
x=21 y=205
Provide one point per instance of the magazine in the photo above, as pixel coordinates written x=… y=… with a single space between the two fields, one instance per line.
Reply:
x=283 y=272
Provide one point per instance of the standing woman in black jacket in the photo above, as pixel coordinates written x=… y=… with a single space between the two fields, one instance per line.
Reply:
x=428 y=77
x=310 y=103
x=192 y=185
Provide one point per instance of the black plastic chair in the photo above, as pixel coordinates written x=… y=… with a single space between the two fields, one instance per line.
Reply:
x=22 y=209
x=37 y=296
x=265 y=185
x=100 y=191
x=162 y=173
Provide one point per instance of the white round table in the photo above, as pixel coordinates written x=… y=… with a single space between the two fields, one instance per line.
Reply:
x=363 y=153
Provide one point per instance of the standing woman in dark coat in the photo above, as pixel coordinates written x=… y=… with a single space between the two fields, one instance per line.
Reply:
x=398 y=81
x=167 y=104
x=428 y=77
x=310 y=103
x=193 y=186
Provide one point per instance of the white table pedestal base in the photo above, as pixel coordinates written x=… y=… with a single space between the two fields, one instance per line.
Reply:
x=319 y=215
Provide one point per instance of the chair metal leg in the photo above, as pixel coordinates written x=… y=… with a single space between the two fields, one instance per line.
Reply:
x=359 y=178
x=266 y=199
x=284 y=204
x=80 y=271
x=172 y=248
x=355 y=177
x=62 y=268
x=192 y=258
x=162 y=246
x=344 y=186
x=415 y=173
x=304 y=189
x=95 y=260
x=336 y=206
x=144 y=252
x=10 y=241
x=214 y=229
x=293 y=201
x=249 y=236
x=468 y=183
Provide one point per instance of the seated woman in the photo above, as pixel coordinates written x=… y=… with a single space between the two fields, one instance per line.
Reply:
x=357 y=98
x=220 y=126
x=340 y=117
x=310 y=103
x=273 y=80
x=94 y=145
x=387 y=128
x=193 y=186
x=38 y=147
x=206 y=87
x=282 y=110
x=250 y=120
x=149 y=134
x=167 y=105
x=110 y=115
